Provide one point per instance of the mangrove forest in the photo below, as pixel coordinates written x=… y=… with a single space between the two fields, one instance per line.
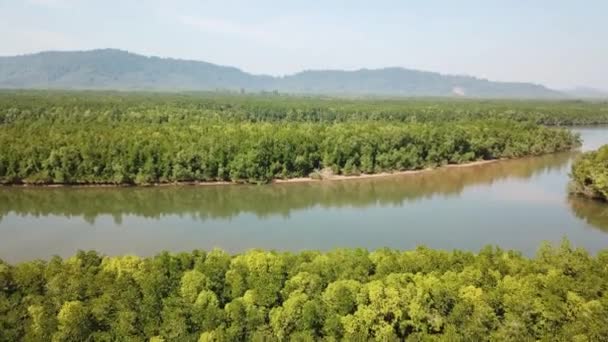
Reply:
x=345 y=294
x=590 y=174
x=141 y=138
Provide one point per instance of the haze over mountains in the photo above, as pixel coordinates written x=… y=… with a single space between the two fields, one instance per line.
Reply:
x=121 y=70
x=586 y=92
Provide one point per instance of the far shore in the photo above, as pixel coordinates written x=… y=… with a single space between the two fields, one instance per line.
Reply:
x=325 y=178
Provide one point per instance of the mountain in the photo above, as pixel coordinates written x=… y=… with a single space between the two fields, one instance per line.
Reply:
x=584 y=92
x=121 y=70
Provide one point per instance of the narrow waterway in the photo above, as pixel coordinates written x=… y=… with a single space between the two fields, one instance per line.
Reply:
x=515 y=204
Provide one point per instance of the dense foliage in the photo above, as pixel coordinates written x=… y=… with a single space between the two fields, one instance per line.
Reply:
x=590 y=174
x=142 y=138
x=350 y=294
x=144 y=153
x=194 y=108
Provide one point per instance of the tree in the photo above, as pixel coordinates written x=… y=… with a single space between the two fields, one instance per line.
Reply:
x=73 y=322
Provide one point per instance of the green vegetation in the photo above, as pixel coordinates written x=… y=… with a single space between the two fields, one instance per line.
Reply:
x=345 y=294
x=152 y=153
x=590 y=174
x=195 y=108
x=99 y=138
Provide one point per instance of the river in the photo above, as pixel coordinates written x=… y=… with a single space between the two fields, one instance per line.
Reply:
x=516 y=204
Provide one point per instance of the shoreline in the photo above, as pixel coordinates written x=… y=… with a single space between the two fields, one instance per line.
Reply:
x=328 y=178
x=383 y=174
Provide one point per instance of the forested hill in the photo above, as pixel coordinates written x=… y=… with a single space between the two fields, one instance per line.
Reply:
x=121 y=70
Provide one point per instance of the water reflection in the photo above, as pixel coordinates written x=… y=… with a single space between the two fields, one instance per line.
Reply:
x=594 y=212
x=224 y=202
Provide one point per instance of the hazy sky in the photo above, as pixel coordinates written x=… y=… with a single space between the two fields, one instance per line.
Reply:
x=560 y=43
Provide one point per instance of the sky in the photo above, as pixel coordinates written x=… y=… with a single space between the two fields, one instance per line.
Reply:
x=558 y=43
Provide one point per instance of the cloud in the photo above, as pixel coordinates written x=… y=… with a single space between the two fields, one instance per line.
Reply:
x=50 y=3
x=296 y=34
x=225 y=27
x=19 y=41
x=525 y=193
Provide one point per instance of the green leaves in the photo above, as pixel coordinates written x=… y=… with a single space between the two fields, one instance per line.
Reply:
x=345 y=294
x=73 y=322
x=136 y=139
x=192 y=283
x=590 y=174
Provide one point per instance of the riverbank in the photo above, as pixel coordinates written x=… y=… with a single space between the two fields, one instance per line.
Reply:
x=325 y=177
x=333 y=177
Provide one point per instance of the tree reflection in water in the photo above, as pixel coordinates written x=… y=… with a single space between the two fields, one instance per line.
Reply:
x=205 y=202
x=594 y=212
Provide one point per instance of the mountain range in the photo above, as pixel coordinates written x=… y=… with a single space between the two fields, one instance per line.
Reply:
x=122 y=70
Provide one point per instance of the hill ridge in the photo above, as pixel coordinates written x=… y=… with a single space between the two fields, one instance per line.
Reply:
x=109 y=68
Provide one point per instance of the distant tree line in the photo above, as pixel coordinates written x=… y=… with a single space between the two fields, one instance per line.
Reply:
x=194 y=108
x=344 y=294
x=66 y=152
x=590 y=174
